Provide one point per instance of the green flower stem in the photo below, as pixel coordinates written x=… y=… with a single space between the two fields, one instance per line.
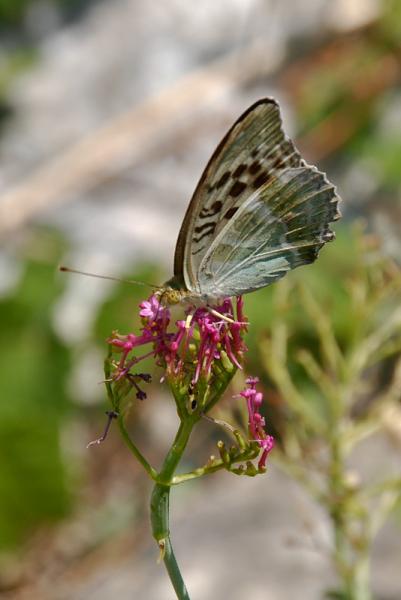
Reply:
x=199 y=472
x=248 y=454
x=159 y=505
x=148 y=468
x=173 y=571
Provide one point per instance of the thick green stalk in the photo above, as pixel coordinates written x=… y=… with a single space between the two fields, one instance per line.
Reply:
x=159 y=506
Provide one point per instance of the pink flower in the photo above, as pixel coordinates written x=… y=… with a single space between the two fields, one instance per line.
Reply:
x=212 y=331
x=151 y=308
x=256 y=422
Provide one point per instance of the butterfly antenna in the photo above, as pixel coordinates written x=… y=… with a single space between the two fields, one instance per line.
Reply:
x=64 y=269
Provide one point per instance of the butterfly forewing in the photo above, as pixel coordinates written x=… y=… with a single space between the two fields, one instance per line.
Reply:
x=248 y=156
x=258 y=211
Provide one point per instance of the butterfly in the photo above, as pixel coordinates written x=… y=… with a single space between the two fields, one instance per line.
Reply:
x=258 y=211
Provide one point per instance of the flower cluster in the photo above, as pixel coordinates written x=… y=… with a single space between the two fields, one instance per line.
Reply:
x=199 y=358
x=256 y=422
x=206 y=335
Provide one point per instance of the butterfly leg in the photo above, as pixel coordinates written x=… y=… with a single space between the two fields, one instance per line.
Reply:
x=224 y=317
x=219 y=315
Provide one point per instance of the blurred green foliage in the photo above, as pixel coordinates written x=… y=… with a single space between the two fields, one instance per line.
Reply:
x=34 y=366
x=390 y=22
x=383 y=151
x=13 y=65
x=13 y=11
x=331 y=84
x=19 y=61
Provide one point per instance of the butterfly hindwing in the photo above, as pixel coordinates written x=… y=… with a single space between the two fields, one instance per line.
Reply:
x=281 y=226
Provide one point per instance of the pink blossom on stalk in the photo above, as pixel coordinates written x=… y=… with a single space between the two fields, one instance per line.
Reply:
x=152 y=309
x=256 y=422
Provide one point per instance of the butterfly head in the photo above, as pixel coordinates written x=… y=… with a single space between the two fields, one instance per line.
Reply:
x=174 y=291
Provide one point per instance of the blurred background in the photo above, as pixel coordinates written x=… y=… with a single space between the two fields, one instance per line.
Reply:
x=109 y=112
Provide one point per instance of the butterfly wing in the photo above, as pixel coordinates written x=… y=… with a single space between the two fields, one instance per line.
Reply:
x=253 y=150
x=281 y=226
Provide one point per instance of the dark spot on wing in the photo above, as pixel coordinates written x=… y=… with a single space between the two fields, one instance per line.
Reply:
x=212 y=210
x=205 y=234
x=254 y=167
x=279 y=163
x=216 y=207
x=254 y=152
x=237 y=189
x=239 y=170
x=261 y=180
x=205 y=226
x=230 y=213
x=223 y=180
